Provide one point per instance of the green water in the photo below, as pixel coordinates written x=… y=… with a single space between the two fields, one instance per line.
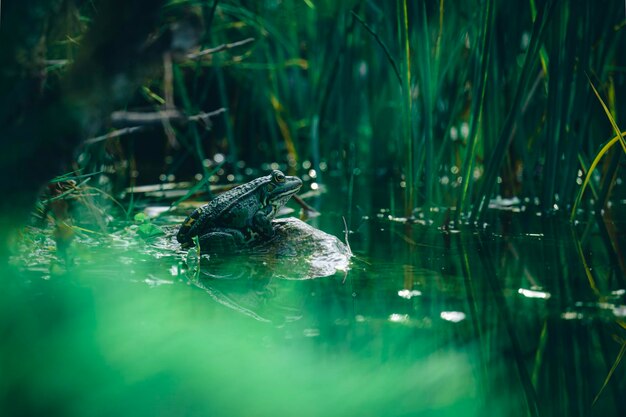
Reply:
x=521 y=317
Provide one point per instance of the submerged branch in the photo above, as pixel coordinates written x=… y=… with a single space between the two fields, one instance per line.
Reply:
x=141 y=120
x=219 y=48
x=120 y=118
x=114 y=134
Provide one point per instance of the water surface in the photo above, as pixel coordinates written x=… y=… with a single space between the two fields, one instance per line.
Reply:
x=522 y=316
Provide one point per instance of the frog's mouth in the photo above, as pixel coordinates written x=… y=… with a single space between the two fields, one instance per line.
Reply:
x=291 y=186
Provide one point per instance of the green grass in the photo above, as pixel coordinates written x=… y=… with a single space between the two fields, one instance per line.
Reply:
x=438 y=103
x=490 y=95
x=411 y=105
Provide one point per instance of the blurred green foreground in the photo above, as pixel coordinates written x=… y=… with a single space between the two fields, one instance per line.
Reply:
x=458 y=325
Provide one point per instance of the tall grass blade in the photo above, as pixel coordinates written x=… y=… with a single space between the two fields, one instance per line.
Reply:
x=560 y=74
x=406 y=136
x=479 y=92
x=619 y=137
x=428 y=84
x=74 y=175
x=616 y=129
x=506 y=134
x=605 y=148
x=620 y=355
x=382 y=45
x=200 y=185
x=580 y=40
x=583 y=259
x=284 y=128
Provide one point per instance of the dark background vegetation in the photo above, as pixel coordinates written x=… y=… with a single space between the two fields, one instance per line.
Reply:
x=406 y=106
x=431 y=102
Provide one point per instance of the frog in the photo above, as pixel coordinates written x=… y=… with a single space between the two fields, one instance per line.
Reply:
x=241 y=216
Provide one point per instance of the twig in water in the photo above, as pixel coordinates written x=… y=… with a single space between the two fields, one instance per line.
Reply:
x=345 y=234
x=310 y=211
x=156 y=118
x=205 y=117
x=147 y=119
x=114 y=134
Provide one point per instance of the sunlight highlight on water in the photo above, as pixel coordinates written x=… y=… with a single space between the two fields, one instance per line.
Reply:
x=534 y=293
x=408 y=294
x=412 y=294
x=453 y=316
x=399 y=318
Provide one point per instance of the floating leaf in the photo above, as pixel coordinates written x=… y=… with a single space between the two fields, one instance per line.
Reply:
x=140 y=218
x=148 y=230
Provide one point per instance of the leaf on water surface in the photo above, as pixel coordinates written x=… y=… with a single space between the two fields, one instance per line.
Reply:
x=148 y=230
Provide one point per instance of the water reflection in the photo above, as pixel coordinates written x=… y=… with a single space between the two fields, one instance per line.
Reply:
x=519 y=282
x=503 y=297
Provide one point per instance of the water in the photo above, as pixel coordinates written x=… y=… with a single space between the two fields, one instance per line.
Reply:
x=522 y=317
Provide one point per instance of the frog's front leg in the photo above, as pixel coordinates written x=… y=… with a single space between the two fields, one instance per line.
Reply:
x=221 y=240
x=262 y=222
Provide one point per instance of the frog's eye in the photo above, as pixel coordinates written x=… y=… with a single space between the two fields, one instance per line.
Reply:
x=278 y=176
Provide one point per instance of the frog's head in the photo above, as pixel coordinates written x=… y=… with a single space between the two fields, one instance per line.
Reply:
x=280 y=188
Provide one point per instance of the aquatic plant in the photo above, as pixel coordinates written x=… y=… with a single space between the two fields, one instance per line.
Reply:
x=418 y=115
x=438 y=103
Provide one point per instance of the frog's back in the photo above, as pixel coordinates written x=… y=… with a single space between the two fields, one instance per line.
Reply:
x=229 y=208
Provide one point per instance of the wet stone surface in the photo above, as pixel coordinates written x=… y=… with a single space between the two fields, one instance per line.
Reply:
x=297 y=251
